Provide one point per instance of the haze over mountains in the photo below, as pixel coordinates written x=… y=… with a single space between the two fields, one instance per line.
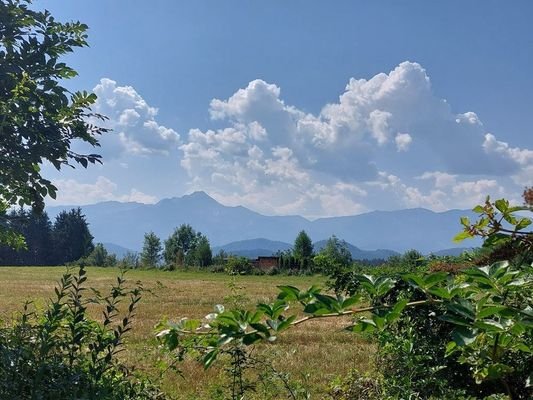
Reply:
x=124 y=224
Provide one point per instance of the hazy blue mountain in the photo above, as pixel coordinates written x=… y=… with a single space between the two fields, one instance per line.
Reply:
x=117 y=250
x=125 y=224
x=253 y=248
x=358 y=254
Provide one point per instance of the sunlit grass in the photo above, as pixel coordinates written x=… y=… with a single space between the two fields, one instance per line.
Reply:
x=312 y=353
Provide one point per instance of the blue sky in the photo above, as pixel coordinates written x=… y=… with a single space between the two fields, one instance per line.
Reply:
x=307 y=107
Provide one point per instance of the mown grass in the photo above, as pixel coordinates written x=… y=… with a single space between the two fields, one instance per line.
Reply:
x=312 y=354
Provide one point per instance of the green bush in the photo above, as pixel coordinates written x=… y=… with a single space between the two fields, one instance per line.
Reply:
x=238 y=266
x=63 y=354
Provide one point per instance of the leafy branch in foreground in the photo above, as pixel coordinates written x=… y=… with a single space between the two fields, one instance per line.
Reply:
x=485 y=305
x=499 y=225
x=485 y=312
x=40 y=119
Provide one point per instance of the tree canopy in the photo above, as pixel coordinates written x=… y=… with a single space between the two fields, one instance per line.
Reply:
x=303 y=246
x=151 y=253
x=39 y=118
x=185 y=246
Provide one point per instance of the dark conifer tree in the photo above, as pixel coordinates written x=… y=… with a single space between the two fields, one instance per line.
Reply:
x=71 y=236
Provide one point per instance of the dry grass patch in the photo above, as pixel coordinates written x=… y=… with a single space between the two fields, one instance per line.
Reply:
x=304 y=352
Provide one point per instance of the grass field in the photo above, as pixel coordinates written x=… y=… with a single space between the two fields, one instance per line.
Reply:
x=312 y=354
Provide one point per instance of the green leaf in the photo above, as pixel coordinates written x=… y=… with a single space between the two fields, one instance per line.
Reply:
x=329 y=302
x=414 y=279
x=441 y=292
x=399 y=306
x=523 y=223
x=379 y=322
x=288 y=293
x=502 y=205
x=450 y=348
x=316 y=309
x=488 y=311
x=350 y=301
x=463 y=336
x=434 y=278
x=462 y=236
x=383 y=285
x=455 y=320
x=489 y=325
x=495 y=239
x=498 y=370
x=462 y=307
x=209 y=358
x=363 y=326
x=261 y=328
x=498 y=268
x=478 y=209
x=251 y=338
x=286 y=324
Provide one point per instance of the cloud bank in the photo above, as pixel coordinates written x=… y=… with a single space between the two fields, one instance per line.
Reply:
x=388 y=142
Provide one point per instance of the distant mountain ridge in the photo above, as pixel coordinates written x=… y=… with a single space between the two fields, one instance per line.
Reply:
x=358 y=254
x=264 y=247
x=125 y=224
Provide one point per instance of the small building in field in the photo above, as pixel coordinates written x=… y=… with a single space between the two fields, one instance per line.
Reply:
x=266 y=263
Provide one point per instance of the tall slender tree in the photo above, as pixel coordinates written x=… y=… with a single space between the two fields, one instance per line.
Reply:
x=303 y=246
x=151 y=253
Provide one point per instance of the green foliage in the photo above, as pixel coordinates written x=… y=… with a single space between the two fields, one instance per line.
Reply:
x=202 y=254
x=358 y=386
x=99 y=257
x=63 y=354
x=238 y=266
x=37 y=230
x=39 y=118
x=151 y=253
x=303 y=250
x=186 y=247
x=502 y=228
x=460 y=334
x=220 y=258
x=334 y=257
x=71 y=237
x=67 y=240
x=131 y=260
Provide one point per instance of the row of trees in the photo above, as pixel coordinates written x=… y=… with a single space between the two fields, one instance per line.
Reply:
x=302 y=257
x=66 y=240
x=184 y=247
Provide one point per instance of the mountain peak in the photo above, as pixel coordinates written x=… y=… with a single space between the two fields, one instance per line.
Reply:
x=198 y=196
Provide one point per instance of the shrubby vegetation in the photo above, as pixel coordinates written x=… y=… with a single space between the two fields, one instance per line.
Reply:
x=63 y=354
x=462 y=333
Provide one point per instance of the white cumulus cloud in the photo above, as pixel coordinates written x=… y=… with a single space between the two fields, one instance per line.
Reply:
x=277 y=158
x=133 y=121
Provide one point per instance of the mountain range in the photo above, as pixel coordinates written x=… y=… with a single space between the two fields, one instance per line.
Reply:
x=124 y=224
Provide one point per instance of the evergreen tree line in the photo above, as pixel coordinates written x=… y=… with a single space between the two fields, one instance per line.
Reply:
x=65 y=240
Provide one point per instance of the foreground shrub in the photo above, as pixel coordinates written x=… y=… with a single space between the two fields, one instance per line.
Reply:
x=466 y=333
x=63 y=354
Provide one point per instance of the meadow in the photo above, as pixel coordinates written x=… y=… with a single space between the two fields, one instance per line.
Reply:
x=300 y=355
